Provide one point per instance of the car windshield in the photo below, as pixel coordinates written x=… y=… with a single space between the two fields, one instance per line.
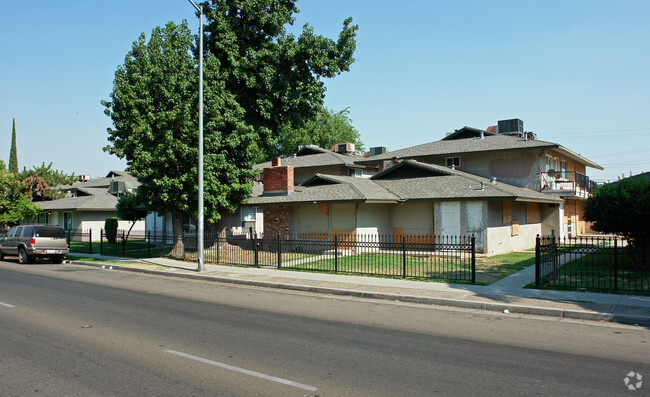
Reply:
x=49 y=232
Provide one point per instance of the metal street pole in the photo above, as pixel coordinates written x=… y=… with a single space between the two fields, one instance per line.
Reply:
x=200 y=227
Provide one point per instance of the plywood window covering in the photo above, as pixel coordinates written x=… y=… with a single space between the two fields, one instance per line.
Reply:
x=515 y=229
x=507 y=212
x=532 y=213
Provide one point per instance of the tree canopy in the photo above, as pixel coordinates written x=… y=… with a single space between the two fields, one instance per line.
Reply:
x=623 y=208
x=42 y=182
x=326 y=129
x=154 y=111
x=15 y=203
x=257 y=79
x=131 y=208
x=274 y=76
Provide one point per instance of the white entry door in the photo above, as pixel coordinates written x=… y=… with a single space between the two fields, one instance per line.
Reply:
x=450 y=218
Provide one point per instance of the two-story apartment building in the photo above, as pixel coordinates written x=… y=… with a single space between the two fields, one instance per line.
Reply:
x=508 y=154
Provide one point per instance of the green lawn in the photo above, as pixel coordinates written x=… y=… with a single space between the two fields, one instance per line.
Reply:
x=493 y=268
x=421 y=266
x=596 y=271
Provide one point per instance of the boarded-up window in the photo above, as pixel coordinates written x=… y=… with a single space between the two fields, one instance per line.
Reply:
x=532 y=213
x=507 y=212
x=515 y=229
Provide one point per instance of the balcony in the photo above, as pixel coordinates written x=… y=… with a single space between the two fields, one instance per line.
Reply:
x=569 y=184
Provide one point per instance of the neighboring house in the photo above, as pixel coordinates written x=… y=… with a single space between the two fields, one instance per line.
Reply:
x=508 y=154
x=88 y=203
x=641 y=176
x=406 y=198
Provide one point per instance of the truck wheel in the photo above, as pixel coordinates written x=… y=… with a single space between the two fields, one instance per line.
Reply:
x=2 y=256
x=23 y=257
x=57 y=259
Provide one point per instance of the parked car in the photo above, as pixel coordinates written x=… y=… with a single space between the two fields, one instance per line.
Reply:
x=30 y=242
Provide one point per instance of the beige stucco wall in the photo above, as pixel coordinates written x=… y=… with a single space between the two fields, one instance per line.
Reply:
x=414 y=219
x=500 y=239
x=374 y=220
x=310 y=218
x=82 y=222
x=518 y=235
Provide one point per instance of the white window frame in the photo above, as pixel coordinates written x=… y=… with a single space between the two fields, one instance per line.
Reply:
x=453 y=161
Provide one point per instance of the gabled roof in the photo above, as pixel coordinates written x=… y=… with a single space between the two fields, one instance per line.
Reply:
x=425 y=182
x=91 y=195
x=467 y=132
x=93 y=199
x=311 y=156
x=411 y=169
x=102 y=182
x=490 y=143
x=455 y=185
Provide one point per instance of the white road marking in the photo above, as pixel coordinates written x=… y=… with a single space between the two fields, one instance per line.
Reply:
x=6 y=304
x=243 y=371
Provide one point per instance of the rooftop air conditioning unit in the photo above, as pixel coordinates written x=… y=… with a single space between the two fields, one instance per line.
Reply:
x=344 y=148
x=510 y=127
x=117 y=187
x=375 y=151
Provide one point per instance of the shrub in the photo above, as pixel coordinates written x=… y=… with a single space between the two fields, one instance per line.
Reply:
x=110 y=228
x=623 y=208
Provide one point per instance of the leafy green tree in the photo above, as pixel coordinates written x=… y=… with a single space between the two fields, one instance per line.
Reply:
x=15 y=203
x=43 y=182
x=274 y=76
x=13 y=154
x=623 y=208
x=154 y=111
x=131 y=208
x=256 y=79
x=325 y=130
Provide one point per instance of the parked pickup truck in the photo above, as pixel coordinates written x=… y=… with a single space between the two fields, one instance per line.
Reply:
x=30 y=242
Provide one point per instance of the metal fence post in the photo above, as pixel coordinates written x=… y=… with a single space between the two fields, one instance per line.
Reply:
x=149 y=243
x=279 y=251
x=101 y=241
x=554 y=253
x=255 y=250
x=336 y=256
x=90 y=241
x=184 y=244
x=403 y=256
x=538 y=265
x=218 y=244
x=473 y=259
x=615 y=264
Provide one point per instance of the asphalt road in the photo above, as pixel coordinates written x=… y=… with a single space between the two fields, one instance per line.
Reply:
x=75 y=330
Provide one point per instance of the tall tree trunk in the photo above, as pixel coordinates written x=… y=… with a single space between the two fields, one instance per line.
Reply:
x=177 y=228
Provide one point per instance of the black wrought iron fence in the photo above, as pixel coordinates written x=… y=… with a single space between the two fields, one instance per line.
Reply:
x=439 y=257
x=138 y=244
x=427 y=257
x=590 y=263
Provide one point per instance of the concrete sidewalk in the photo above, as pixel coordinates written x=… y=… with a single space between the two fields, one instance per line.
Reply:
x=506 y=294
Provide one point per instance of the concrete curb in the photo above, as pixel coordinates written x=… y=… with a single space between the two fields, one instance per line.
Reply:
x=437 y=301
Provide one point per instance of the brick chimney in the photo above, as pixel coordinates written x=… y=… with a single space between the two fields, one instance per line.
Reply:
x=278 y=180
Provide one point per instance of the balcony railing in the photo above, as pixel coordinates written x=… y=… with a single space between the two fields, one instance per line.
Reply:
x=566 y=183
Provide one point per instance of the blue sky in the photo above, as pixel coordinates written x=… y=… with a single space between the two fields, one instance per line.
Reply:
x=576 y=73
